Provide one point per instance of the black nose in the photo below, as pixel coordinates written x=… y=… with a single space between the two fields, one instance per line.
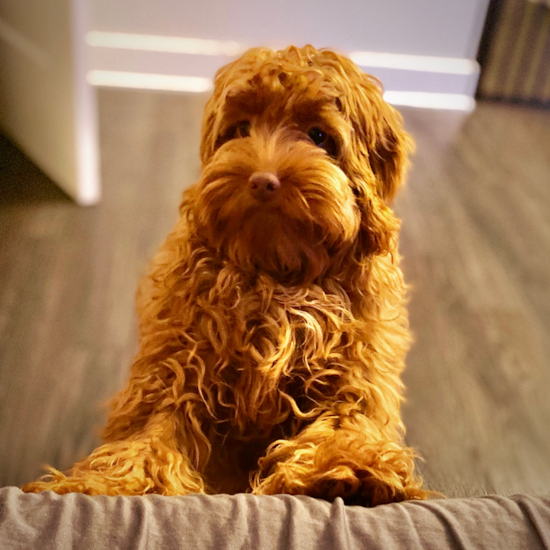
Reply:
x=264 y=185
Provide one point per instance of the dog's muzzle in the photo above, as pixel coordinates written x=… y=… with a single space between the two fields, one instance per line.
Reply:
x=264 y=185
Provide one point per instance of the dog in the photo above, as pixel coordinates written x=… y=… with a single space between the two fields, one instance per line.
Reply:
x=273 y=322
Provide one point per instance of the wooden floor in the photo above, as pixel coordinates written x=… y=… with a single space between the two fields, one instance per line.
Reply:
x=476 y=242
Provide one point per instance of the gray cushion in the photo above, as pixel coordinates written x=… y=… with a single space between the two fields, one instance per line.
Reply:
x=47 y=520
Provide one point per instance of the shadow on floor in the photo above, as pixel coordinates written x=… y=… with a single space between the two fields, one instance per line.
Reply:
x=21 y=181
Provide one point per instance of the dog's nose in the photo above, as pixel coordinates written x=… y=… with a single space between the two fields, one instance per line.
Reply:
x=264 y=185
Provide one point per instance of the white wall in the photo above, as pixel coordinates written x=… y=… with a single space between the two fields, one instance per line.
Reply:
x=436 y=28
x=46 y=106
x=447 y=28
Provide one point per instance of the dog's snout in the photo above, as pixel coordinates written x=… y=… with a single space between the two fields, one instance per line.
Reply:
x=264 y=185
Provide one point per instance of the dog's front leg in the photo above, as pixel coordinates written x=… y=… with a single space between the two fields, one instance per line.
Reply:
x=147 y=462
x=347 y=457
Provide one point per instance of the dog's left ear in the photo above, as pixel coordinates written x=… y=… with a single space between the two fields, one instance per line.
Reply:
x=379 y=140
x=376 y=160
x=389 y=146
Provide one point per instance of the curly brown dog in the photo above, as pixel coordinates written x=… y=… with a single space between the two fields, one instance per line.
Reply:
x=273 y=327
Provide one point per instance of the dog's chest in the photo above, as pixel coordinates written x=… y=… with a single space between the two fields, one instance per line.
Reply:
x=276 y=363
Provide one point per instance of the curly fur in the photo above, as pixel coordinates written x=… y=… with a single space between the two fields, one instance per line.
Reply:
x=273 y=334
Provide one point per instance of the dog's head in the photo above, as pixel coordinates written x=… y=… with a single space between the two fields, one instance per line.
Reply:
x=301 y=156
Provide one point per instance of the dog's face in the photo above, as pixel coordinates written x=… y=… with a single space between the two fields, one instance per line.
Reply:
x=300 y=157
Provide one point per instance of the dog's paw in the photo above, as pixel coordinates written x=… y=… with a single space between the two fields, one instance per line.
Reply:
x=359 y=487
x=365 y=488
x=359 y=471
x=59 y=483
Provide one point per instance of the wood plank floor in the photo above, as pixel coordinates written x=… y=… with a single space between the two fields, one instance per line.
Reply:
x=476 y=242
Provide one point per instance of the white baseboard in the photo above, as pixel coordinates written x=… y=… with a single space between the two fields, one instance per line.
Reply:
x=455 y=79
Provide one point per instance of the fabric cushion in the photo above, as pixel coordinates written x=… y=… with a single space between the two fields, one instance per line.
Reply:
x=243 y=521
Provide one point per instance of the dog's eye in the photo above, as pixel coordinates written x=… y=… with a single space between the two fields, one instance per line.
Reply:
x=242 y=129
x=317 y=136
x=324 y=140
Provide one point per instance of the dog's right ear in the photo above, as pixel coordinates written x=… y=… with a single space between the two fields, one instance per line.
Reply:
x=227 y=79
x=213 y=111
x=210 y=125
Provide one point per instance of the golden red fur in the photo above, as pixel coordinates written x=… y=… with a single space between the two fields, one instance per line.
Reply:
x=273 y=327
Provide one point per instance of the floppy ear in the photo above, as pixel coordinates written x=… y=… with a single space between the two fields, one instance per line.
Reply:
x=213 y=111
x=238 y=70
x=380 y=141
x=212 y=116
x=383 y=147
x=388 y=153
x=375 y=159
